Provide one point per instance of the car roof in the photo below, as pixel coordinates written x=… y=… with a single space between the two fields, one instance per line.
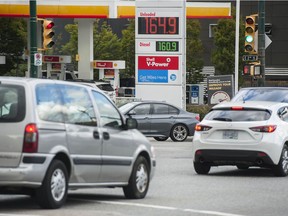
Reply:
x=250 y=104
x=25 y=80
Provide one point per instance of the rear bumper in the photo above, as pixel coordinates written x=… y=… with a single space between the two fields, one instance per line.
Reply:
x=216 y=157
x=30 y=172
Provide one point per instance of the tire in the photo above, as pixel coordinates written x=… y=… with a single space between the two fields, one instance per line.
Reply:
x=201 y=168
x=53 y=192
x=139 y=180
x=281 y=169
x=161 y=138
x=179 y=133
x=242 y=167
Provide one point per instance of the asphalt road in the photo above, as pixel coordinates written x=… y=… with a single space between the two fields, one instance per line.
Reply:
x=175 y=190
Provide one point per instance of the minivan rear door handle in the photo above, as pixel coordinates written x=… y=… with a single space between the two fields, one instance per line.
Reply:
x=106 y=136
x=96 y=135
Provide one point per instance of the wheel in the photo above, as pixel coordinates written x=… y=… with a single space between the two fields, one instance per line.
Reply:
x=242 y=166
x=139 y=180
x=53 y=192
x=161 y=138
x=201 y=168
x=179 y=133
x=281 y=169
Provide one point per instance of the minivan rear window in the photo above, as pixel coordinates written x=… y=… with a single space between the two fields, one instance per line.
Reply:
x=238 y=115
x=12 y=103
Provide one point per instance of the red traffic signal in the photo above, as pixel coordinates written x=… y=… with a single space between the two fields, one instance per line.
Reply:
x=48 y=34
x=246 y=70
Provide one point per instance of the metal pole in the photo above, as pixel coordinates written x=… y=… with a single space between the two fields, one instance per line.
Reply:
x=237 y=45
x=261 y=40
x=33 y=37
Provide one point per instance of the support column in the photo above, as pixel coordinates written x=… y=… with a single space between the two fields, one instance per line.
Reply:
x=85 y=48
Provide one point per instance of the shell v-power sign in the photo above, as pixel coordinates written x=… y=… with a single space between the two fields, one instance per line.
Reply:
x=160 y=51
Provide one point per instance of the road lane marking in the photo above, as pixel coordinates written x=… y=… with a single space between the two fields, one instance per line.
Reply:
x=170 y=208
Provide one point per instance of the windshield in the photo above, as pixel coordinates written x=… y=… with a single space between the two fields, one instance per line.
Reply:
x=262 y=94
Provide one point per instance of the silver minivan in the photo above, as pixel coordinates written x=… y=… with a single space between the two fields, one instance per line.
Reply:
x=56 y=135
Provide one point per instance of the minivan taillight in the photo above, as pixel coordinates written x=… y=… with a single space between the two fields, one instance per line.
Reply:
x=30 y=143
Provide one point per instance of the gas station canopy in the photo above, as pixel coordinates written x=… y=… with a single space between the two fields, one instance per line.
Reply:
x=103 y=9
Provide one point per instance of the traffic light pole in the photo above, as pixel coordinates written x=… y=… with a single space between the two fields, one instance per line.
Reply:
x=261 y=40
x=33 y=37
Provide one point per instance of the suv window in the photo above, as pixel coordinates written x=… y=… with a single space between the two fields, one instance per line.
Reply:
x=49 y=103
x=109 y=115
x=73 y=106
x=12 y=103
x=238 y=115
x=78 y=106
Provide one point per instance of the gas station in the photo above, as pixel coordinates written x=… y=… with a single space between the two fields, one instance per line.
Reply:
x=160 y=54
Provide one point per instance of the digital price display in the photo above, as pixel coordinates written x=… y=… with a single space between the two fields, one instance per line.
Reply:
x=167 y=46
x=158 y=25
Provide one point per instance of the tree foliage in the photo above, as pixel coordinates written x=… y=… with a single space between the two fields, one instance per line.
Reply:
x=106 y=44
x=223 y=57
x=13 y=37
x=194 y=52
x=128 y=49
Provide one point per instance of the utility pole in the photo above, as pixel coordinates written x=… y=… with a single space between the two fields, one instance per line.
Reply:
x=261 y=40
x=33 y=37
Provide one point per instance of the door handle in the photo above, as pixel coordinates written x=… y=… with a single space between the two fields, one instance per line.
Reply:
x=106 y=136
x=96 y=135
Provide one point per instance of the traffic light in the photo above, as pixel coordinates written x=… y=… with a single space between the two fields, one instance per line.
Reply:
x=247 y=70
x=252 y=69
x=250 y=37
x=48 y=34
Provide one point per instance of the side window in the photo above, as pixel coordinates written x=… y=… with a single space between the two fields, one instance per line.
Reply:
x=142 y=109
x=283 y=113
x=173 y=110
x=78 y=107
x=109 y=115
x=49 y=103
x=161 y=109
x=12 y=103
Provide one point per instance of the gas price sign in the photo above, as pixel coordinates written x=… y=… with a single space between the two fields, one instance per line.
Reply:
x=167 y=46
x=158 y=25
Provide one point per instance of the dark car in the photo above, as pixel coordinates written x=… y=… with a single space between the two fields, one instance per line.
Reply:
x=161 y=120
x=275 y=94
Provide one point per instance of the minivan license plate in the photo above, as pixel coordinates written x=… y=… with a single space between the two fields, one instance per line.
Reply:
x=230 y=134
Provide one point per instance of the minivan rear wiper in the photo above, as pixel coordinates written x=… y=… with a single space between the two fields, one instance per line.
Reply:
x=222 y=119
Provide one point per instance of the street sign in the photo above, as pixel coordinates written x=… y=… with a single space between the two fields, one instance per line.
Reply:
x=37 y=59
x=268 y=41
x=250 y=58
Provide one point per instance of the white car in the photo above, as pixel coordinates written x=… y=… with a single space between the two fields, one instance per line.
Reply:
x=243 y=134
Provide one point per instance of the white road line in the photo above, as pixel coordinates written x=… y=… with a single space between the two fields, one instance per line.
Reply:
x=170 y=208
x=16 y=215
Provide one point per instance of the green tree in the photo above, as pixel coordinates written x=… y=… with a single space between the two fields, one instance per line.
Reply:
x=106 y=44
x=223 y=57
x=128 y=49
x=13 y=37
x=194 y=52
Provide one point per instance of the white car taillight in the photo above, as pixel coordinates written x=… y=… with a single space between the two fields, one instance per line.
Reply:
x=264 y=129
x=199 y=127
x=30 y=143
